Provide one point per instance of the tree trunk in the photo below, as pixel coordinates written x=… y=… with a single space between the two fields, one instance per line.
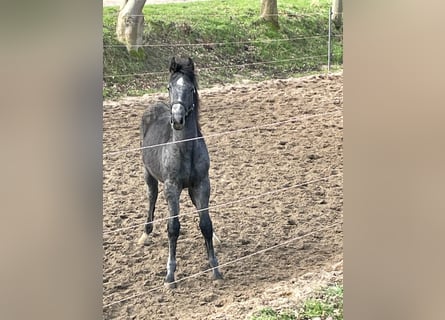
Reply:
x=337 y=12
x=269 y=11
x=130 y=23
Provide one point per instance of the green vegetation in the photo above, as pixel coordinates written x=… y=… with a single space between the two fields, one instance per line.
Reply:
x=324 y=303
x=229 y=42
x=270 y=314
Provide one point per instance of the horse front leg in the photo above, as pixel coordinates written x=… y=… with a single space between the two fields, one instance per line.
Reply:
x=152 y=191
x=172 y=193
x=200 y=197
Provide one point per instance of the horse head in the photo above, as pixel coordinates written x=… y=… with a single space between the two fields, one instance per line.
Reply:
x=182 y=89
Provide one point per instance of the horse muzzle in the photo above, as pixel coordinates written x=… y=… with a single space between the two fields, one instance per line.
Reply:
x=178 y=116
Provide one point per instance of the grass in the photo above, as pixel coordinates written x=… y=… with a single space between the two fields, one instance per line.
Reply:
x=327 y=302
x=270 y=314
x=224 y=35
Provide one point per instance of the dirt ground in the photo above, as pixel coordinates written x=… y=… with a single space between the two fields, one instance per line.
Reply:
x=244 y=164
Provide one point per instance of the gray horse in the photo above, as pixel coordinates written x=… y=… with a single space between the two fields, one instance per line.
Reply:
x=178 y=165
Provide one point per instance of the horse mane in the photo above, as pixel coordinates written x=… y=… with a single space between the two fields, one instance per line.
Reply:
x=186 y=67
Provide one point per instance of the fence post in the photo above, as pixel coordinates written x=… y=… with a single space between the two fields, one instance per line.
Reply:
x=329 y=39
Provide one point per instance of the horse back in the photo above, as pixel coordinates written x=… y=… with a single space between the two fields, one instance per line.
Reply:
x=155 y=129
x=154 y=119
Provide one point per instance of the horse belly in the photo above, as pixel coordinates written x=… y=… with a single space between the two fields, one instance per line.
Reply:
x=153 y=166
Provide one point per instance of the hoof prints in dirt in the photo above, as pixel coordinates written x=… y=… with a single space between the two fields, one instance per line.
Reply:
x=243 y=165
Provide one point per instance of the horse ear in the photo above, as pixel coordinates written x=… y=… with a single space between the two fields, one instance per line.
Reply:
x=191 y=63
x=173 y=65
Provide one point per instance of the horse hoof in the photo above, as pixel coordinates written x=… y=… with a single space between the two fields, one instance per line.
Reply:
x=143 y=240
x=170 y=285
x=218 y=282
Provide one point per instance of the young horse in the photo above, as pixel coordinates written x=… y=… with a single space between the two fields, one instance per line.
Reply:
x=178 y=165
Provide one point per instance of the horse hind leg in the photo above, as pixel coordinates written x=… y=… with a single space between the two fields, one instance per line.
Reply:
x=205 y=224
x=152 y=190
x=200 y=198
